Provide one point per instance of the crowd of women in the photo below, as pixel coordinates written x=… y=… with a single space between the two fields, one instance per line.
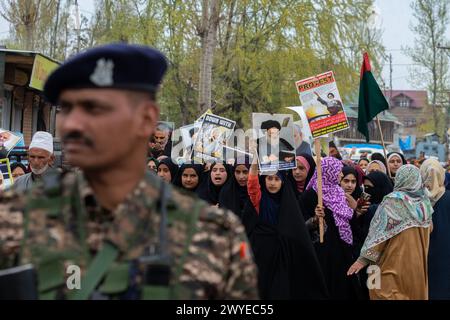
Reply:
x=378 y=212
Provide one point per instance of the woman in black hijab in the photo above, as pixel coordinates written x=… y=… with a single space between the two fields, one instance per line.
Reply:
x=167 y=170
x=353 y=191
x=189 y=176
x=234 y=194
x=335 y=254
x=287 y=264
x=377 y=185
x=350 y=182
x=210 y=188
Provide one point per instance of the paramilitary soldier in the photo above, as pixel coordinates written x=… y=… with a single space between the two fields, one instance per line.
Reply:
x=132 y=236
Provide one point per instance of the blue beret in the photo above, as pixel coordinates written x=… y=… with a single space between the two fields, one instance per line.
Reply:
x=117 y=65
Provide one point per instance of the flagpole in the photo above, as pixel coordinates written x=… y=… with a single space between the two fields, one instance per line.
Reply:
x=384 y=147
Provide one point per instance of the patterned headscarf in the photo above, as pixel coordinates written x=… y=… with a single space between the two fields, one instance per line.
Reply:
x=433 y=175
x=334 y=196
x=407 y=207
x=381 y=164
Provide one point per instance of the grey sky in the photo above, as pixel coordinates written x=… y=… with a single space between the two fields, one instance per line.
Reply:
x=395 y=16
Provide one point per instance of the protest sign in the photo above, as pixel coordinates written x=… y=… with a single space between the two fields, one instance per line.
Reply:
x=182 y=141
x=234 y=156
x=200 y=119
x=302 y=135
x=8 y=140
x=6 y=175
x=212 y=138
x=160 y=142
x=274 y=134
x=322 y=104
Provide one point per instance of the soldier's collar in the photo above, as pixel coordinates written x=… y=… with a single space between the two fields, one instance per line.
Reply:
x=87 y=193
x=141 y=198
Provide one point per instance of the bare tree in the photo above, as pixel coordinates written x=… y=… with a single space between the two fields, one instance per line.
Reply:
x=432 y=20
x=24 y=16
x=207 y=30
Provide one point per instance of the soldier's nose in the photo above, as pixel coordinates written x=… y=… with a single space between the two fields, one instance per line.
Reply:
x=73 y=121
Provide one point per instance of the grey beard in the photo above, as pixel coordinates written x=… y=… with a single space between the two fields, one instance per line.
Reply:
x=39 y=171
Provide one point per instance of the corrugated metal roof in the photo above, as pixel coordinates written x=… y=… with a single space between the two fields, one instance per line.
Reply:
x=28 y=54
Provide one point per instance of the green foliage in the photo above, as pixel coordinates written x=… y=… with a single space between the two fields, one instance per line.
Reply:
x=432 y=73
x=263 y=47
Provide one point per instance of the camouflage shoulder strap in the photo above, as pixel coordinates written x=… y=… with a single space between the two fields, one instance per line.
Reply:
x=171 y=289
x=95 y=272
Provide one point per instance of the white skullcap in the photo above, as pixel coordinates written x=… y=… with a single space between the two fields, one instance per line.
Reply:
x=42 y=140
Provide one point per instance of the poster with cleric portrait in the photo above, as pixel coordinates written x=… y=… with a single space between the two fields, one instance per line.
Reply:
x=274 y=135
x=183 y=140
x=322 y=103
x=302 y=134
x=212 y=137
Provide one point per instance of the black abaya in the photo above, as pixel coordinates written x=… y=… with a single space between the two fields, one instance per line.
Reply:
x=288 y=267
x=335 y=256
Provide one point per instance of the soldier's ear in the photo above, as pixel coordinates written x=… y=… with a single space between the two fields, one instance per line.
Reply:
x=148 y=118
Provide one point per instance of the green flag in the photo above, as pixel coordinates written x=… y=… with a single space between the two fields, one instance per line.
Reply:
x=371 y=99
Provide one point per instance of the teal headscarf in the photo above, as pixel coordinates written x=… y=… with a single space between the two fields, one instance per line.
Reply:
x=406 y=207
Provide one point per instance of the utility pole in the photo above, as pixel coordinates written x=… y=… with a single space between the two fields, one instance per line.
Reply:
x=447 y=111
x=78 y=25
x=55 y=31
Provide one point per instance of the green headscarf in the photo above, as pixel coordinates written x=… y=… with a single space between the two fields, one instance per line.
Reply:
x=406 y=207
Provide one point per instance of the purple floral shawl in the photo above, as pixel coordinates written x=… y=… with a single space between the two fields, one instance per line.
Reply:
x=334 y=196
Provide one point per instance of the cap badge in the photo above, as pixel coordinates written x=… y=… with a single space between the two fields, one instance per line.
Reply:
x=103 y=73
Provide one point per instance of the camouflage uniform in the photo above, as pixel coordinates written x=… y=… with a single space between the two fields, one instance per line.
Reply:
x=215 y=265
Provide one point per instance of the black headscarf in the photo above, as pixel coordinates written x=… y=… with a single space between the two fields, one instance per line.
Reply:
x=269 y=206
x=447 y=181
x=360 y=225
x=312 y=168
x=382 y=186
x=208 y=191
x=346 y=170
x=173 y=168
x=233 y=196
x=154 y=160
x=288 y=267
x=198 y=168
x=18 y=165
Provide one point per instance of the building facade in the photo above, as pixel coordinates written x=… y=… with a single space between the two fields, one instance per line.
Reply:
x=22 y=104
x=389 y=125
x=410 y=108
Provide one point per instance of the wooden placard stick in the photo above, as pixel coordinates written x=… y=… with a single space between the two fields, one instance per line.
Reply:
x=319 y=184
